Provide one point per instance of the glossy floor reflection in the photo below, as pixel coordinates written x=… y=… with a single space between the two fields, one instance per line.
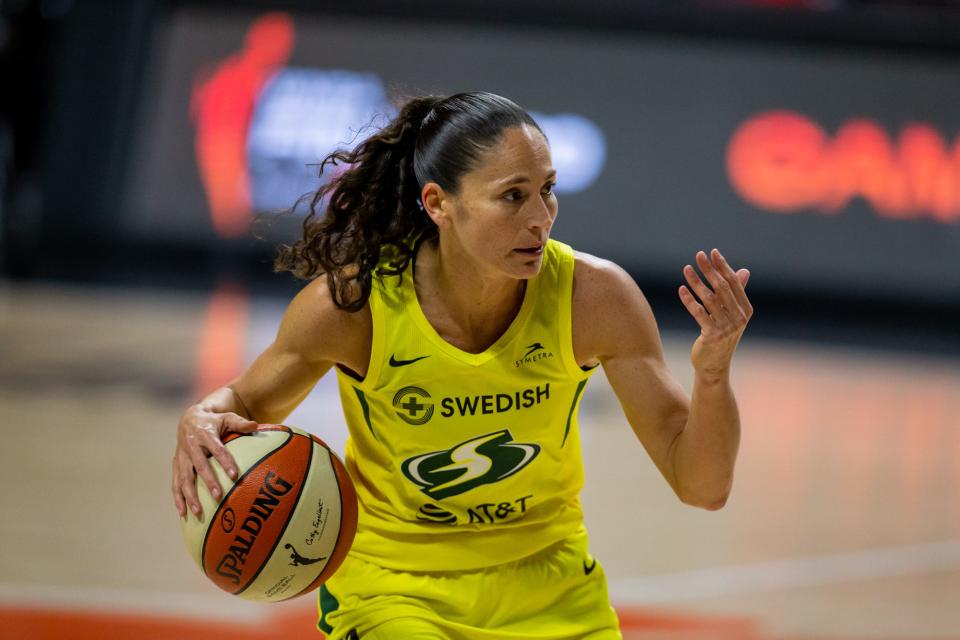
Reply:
x=844 y=521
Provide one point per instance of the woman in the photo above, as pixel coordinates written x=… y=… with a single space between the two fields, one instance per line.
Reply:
x=463 y=338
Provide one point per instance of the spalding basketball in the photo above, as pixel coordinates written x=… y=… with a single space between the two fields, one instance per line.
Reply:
x=284 y=526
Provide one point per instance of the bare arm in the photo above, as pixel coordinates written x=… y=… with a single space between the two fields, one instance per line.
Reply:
x=692 y=442
x=723 y=311
x=313 y=335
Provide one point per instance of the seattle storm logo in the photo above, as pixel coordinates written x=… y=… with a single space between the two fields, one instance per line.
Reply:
x=483 y=460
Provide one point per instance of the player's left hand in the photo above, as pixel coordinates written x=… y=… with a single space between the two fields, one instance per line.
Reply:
x=722 y=311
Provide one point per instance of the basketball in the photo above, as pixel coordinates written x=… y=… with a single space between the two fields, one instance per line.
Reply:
x=284 y=526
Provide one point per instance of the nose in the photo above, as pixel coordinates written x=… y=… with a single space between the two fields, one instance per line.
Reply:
x=541 y=214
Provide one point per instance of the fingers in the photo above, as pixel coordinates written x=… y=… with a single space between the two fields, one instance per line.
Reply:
x=185 y=483
x=178 y=500
x=707 y=297
x=202 y=466
x=238 y=423
x=200 y=436
x=735 y=281
x=744 y=276
x=696 y=310
x=721 y=287
x=235 y=423
x=218 y=451
x=725 y=301
x=190 y=462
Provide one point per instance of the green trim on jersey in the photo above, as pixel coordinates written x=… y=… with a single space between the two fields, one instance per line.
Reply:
x=328 y=604
x=464 y=459
x=573 y=405
x=366 y=411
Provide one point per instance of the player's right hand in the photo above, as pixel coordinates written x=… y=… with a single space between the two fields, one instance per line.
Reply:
x=199 y=436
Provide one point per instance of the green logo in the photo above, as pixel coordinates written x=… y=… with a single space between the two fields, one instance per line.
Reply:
x=433 y=513
x=483 y=460
x=413 y=405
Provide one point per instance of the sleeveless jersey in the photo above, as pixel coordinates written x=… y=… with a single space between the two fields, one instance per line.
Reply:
x=466 y=460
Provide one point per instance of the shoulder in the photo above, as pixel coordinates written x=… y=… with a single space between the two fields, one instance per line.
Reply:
x=317 y=328
x=598 y=281
x=610 y=312
x=601 y=285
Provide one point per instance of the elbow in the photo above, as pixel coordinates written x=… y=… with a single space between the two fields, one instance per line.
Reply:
x=713 y=504
x=716 y=505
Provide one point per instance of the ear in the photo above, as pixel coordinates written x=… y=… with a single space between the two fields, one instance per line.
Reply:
x=436 y=204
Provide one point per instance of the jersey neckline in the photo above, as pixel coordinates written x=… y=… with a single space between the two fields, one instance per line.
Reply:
x=498 y=346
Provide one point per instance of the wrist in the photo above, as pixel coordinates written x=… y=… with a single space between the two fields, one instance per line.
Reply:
x=712 y=377
x=222 y=400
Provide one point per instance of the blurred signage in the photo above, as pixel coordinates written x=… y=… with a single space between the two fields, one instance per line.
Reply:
x=262 y=129
x=811 y=166
x=302 y=116
x=785 y=162
x=221 y=107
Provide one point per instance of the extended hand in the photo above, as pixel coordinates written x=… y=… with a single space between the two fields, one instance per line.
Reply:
x=722 y=312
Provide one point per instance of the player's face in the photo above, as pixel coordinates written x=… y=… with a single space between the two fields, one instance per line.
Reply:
x=505 y=208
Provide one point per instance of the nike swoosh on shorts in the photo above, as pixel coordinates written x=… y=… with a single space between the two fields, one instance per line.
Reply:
x=588 y=569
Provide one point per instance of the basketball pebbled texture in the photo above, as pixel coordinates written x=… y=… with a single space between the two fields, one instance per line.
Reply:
x=287 y=523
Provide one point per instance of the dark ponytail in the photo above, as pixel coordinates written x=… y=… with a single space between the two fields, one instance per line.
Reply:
x=374 y=209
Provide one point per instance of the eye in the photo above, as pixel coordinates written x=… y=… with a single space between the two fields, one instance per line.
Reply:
x=548 y=188
x=514 y=195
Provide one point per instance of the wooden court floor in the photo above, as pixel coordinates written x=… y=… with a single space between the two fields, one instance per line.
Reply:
x=844 y=520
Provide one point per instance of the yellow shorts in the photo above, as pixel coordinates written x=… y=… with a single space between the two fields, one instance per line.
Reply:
x=559 y=593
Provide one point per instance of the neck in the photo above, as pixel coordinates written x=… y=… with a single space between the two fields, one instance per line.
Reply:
x=476 y=300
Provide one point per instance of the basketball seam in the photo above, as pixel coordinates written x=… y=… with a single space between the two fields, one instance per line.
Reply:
x=213 y=518
x=303 y=484
x=233 y=435
x=316 y=582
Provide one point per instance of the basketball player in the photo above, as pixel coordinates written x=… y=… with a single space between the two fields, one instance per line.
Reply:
x=462 y=337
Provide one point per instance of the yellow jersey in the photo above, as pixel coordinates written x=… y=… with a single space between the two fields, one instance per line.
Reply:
x=466 y=460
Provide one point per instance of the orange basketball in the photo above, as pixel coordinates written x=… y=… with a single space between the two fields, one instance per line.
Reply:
x=284 y=526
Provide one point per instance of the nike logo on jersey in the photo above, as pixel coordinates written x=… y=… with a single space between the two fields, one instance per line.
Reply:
x=402 y=363
x=588 y=568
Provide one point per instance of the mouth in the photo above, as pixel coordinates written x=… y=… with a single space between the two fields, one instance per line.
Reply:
x=534 y=250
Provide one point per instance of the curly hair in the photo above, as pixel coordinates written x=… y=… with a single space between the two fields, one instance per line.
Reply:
x=373 y=213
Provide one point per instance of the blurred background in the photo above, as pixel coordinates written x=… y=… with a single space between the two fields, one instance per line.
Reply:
x=150 y=154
